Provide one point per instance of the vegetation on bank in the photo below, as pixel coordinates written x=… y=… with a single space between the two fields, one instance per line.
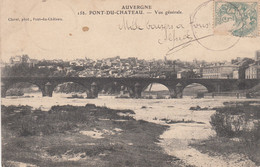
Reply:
x=14 y=92
x=237 y=126
x=255 y=91
x=80 y=136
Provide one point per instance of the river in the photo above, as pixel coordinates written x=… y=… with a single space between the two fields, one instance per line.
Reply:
x=175 y=140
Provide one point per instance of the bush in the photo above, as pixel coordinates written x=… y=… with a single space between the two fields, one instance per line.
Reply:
x=158 y=96
x=14 y=92
x=252 y=137
x=25 y=121
x=238 y=121
x=222 y=125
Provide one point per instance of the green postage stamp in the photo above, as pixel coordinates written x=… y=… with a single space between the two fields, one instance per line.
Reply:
x=236 y=18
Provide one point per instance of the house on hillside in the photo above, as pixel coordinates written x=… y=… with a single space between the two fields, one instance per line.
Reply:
x=253 y=71
x=219 y=71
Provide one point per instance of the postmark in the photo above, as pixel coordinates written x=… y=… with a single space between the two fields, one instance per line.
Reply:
x=236 y=18
x=204 y=15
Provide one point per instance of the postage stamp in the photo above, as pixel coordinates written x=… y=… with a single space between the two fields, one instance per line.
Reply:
x=236 y=18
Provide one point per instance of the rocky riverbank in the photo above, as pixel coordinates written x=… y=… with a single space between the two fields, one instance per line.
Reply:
x=80 y=136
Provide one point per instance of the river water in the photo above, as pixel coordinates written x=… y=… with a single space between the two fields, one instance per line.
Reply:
x=146 y=109
x=174 y=141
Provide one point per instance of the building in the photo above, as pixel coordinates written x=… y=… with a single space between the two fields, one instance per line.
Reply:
x=253 y=71
x=257 y=55
x=180 y=74
x=16 y=60
x=198 y=71
x=223 y=71
x=236 y=74
x=186 y=74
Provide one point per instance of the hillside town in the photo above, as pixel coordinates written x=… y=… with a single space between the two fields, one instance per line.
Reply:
x=239 y=68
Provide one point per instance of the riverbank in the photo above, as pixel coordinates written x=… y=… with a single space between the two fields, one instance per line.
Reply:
x=80 y=136
x=187 y=122
x=196 y=144
x=238 y=133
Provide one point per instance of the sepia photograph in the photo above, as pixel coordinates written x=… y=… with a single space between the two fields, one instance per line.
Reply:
x=129 y=83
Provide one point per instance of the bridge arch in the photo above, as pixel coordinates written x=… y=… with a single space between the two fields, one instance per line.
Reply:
x=194 y=88
x=120 y=89
x=211 y=87
x=157 y=90
x=110 y=88
x=18 y=88
x=73 y=88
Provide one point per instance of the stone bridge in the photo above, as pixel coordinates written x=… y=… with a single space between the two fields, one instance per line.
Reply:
x=135 y=86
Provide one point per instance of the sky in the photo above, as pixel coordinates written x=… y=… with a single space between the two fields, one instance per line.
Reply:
x=102 y=36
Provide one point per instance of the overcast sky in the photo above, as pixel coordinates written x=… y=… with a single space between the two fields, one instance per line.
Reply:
x=100 y=36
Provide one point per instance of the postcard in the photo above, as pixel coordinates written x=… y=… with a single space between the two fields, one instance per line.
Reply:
x=130 y=83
